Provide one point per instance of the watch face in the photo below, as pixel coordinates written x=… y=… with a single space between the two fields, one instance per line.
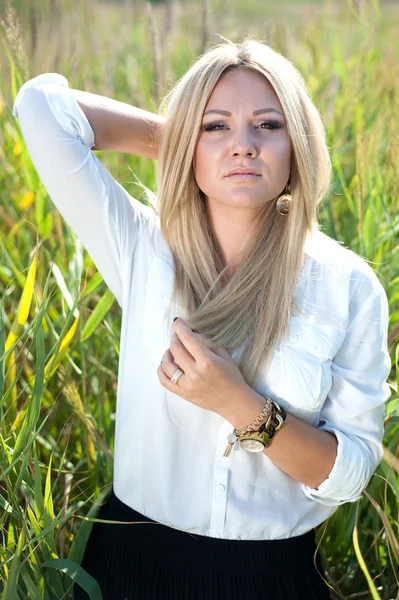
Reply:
x=252 y=445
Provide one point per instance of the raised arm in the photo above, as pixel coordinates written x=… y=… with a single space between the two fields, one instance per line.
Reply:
x=119 y=126
x=59 y=138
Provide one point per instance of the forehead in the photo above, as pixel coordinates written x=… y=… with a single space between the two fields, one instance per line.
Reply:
x=241 y=87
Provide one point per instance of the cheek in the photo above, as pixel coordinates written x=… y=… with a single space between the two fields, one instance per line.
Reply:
x=203 y=158
x=285 y=150
x=198 y=160
x=199 y=156
x=278 y=156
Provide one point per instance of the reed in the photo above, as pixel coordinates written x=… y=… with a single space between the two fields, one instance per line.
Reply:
x=154 y=47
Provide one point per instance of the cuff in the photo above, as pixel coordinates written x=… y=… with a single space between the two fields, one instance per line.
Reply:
x=349 y=475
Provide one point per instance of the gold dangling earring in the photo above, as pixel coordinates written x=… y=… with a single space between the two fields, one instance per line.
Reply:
x=284 y=201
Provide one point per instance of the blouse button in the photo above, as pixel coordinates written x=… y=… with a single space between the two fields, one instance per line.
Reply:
x=221 y=487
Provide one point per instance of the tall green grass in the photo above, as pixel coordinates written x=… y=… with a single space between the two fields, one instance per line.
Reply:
x=59 y=325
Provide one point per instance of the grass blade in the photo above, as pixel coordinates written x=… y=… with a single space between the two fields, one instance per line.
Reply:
x=78 y=574
x=375 y=595
x=98 y=315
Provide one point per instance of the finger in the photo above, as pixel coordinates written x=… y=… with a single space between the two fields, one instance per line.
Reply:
x=168 y=364
x=206 y=340
x=175 y=388
x=180 y=354
x=165 y=380
x=191 y=341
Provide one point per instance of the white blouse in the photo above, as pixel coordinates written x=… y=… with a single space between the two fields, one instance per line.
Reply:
x=330 y=372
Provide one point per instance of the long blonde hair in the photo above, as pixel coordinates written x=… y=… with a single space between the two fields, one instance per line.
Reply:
x=253 y=309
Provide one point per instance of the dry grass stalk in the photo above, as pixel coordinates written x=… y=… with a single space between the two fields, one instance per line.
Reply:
x=168 y=24
x=205 y=11
x=156 y=52
x=12 y=29
x=33 y=21
x=359 y=6
x=391 y=459
x=67 y=491
x=72 y=395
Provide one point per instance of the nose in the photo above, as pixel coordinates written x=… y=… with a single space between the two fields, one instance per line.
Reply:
x=243 y=143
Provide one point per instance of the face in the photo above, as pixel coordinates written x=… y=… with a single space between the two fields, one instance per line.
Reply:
x=253 y=134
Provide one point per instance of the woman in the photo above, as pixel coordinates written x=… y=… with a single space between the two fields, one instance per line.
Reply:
x=266 y=411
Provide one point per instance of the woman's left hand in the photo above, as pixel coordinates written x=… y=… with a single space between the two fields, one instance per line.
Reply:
x=211 y=378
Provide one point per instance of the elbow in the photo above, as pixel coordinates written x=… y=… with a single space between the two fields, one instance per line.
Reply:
x=353 y=468
x=353 y=491
x=327 y=463
x=27 y=102
x=34 y=88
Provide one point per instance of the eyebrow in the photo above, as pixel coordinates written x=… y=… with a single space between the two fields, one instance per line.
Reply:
x=226 y=113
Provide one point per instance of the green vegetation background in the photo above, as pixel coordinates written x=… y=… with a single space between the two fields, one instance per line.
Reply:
x=59 y=325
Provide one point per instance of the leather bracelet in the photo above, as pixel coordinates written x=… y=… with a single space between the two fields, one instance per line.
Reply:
x=273 y=424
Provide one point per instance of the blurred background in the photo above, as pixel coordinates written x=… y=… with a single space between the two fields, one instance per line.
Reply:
x=59 y=323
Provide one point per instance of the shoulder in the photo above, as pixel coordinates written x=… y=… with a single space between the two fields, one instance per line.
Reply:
x=332 y=258
x=154 y=234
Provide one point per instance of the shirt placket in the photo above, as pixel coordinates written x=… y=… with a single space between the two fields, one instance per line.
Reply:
x=220 y=482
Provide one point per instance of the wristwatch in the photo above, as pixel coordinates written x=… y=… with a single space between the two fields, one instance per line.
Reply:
x=257 y=441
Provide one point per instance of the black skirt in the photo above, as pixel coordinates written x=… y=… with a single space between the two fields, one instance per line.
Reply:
x=156 y=562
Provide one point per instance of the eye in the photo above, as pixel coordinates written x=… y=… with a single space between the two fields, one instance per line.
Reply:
x=271 y=125
x=212 y=127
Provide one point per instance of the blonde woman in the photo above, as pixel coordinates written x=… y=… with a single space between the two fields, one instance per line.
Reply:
x=242 y=425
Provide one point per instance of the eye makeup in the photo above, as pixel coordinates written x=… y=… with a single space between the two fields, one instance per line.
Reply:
x=270 y=125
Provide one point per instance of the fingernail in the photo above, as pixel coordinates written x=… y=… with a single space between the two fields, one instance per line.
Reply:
x=175 y=319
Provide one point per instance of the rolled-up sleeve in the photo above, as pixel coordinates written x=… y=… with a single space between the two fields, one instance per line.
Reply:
x=59 y=139
x=355 y=406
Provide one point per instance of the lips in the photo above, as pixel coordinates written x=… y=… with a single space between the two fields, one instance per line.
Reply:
x=241 y=177
x=242 y=171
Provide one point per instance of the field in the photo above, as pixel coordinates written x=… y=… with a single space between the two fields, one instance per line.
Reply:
x=59 y=323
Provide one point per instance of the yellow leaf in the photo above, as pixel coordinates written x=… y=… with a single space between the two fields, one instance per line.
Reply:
x=11 y=543
x=355 y=540
x=33 y=521
x=68 y=338
x=26 y=200
x=54 y=361
x=17 y=421
x=26 y=298
x=91 y=448
x=48 y=498
x=3 y=556
x=30 y=376
x=11 y=338
x=10 y=379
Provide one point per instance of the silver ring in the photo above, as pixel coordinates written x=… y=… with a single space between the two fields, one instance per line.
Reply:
x=176 y=375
